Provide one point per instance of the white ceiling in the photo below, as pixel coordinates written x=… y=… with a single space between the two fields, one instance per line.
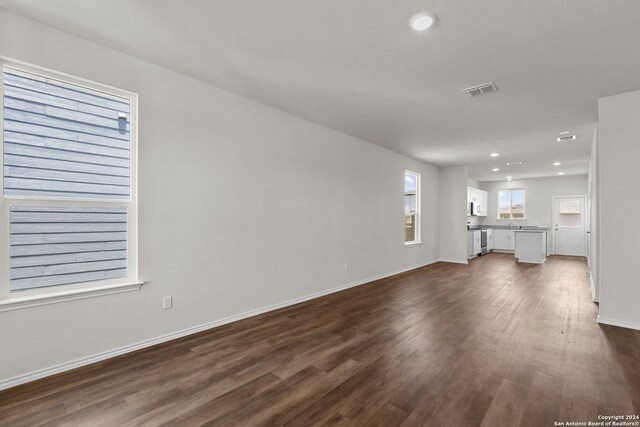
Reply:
x=356 y=66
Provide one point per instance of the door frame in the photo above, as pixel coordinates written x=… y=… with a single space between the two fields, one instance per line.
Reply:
x=584 y=214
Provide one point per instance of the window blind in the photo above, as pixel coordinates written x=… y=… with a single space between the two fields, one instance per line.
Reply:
x=64 y=141
x=60 y=245
x=70 y=145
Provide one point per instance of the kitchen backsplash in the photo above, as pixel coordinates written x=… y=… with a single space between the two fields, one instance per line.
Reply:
x=516 y=222
x=473 y=220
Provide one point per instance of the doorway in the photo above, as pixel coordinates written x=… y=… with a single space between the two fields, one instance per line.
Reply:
x=569 y=230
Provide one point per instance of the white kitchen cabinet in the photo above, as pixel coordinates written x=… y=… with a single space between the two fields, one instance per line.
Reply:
x=531 y=246
x=479 y=199
x=471 y=198
x=503 y=240
x=474 y=243
x=489 y=239
x=483 y=197
x=471 y=194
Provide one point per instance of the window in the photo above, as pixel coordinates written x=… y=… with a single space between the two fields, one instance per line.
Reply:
x=411 y=207
x=511 y=204
x=569 y=213
x=69 y=194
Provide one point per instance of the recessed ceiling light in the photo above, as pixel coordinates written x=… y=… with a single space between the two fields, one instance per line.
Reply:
x=514 y=163
x=494 y=154
x=495 y=169
x=557 y=163
x=422 y=21
x=566 y=138
x=560 y=173
x=509 y=179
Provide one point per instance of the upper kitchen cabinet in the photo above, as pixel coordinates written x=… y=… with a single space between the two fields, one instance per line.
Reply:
x=479 y=198
x=484 y=201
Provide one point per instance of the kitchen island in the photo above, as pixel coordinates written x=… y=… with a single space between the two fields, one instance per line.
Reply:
x=531 y=245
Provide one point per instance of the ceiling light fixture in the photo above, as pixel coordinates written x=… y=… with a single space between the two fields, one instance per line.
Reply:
x=495 y=169
x=565 y=132
x=422 y=21
x=514 y=163
x=560 y=173
x=494 y=154
x=566 y=138
x=557 y=163
x=509 y=178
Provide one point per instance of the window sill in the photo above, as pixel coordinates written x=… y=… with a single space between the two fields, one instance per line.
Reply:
x=412 y=243
x=16 y=303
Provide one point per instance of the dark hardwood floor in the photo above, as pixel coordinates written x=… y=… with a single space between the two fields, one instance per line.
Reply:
x=494 y=343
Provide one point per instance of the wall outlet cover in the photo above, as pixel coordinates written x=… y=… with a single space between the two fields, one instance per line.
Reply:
x=167 y=302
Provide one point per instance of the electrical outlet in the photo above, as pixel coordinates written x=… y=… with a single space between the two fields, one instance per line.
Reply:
x=346 y=265
x=167 y=302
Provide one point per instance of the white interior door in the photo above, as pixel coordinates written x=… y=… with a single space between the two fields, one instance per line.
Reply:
x=569 y=215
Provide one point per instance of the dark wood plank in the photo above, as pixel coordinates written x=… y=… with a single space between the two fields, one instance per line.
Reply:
x=492 y=343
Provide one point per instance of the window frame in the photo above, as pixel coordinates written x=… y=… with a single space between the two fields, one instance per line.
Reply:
x=39 y=296
x=511 y=190
x=418 y=231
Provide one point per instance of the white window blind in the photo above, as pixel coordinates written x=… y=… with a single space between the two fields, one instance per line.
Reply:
x=62 y=141
x=60 y=245
x=68 y=197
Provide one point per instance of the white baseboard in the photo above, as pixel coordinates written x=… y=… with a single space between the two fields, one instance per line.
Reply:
x=593 y=287
x=42 y=373
x=620 y=323
x=454 y=261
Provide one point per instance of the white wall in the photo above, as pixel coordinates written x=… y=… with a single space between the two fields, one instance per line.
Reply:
x=619 y=165
x=453 y=214
x=594 y=229
x=241 y=206
x=539 y=193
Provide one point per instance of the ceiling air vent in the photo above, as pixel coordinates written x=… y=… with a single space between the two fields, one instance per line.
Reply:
x=566 y=138
x=481 y=89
